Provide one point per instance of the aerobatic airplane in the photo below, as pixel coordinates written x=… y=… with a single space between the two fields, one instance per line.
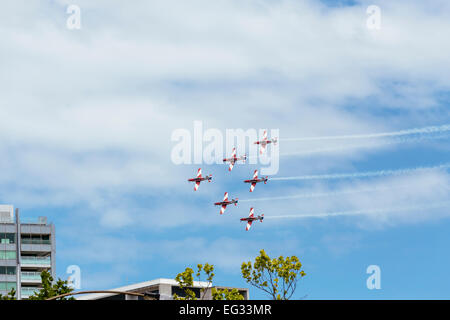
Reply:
x=255 y=180
x=199 y=179
x=252 y=218
x=226 y=202
x=234 y=159
x=264 y=142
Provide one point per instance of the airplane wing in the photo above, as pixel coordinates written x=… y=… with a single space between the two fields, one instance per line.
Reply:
x=225 y=196
x=231 y=166
x=222 y=210
x=233 y=153
x=255 y=174
x=197 y=183
x=262 y=148
x=252 y=187
x=265 y=135
x=199 y=173
x=251 y=215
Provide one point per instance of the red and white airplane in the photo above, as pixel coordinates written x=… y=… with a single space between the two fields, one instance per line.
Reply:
x=255 y=180
x=234 y=159
x=199 y=179
x=226 y=202
x=264 y=142
x=252 y=218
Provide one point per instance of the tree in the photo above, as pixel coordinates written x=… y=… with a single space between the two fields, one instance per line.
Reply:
x=277 y=277
x=186 y=281
x=225 y=294
x=10 y=296
x=51 y=289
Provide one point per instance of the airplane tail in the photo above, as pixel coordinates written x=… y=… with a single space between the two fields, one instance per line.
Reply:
x=236 y=202
x=265 y=182
x=262 y=218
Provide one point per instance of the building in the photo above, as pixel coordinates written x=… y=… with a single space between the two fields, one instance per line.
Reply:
x=164 y=288
x=26 y=249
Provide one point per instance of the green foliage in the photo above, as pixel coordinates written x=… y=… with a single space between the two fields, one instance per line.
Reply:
x=277 y=277
x=186 y=281
x=225 y=294
x=51 y=289
x=10 y=296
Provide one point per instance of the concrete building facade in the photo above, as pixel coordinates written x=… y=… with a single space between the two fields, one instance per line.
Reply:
x=26 y=249
x=165 y=288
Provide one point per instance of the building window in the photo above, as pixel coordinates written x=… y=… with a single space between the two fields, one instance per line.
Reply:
x=7 y=286
x=11 y=271
x=35 y=238
x=7 y=255
x=7 y=238
x=46 y=238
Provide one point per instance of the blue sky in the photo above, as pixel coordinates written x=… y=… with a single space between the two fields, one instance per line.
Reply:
x=87 y=117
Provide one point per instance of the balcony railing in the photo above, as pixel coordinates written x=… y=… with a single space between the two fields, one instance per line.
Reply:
x=35 y=241
x=6 y=219
x=26 y=292
x=35 y=276
x=35 y=260
x=39 y=220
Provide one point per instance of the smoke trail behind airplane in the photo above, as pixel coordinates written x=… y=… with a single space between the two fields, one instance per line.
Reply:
x=373 y=144
x=356 y=175
x=361 y=212
x=367 y=145
x=424 y=130
x=322 y=194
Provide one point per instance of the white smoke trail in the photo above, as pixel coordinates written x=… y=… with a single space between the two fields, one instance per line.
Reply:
x=361 y=212
x=367 y=174
x=323 y=194
x=425 y=130
x=372 y=144
x=377 y=144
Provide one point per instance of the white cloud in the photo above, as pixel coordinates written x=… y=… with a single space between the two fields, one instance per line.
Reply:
x=87 y=113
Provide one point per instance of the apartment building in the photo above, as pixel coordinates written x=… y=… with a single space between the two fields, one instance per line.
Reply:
x=26 y=248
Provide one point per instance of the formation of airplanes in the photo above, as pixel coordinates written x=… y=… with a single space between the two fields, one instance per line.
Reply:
x=253 y=181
